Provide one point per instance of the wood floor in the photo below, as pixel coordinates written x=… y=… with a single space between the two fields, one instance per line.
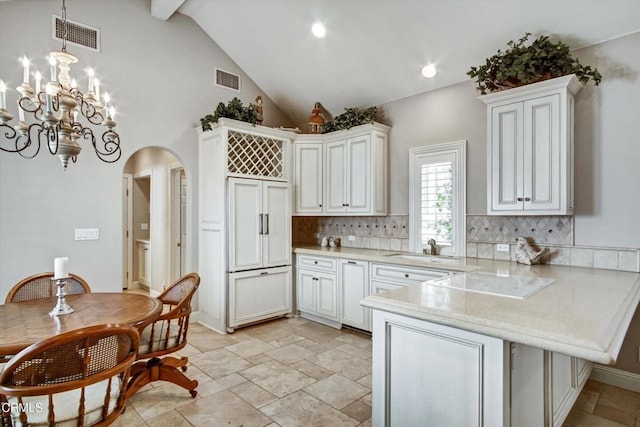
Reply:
x=602 y=405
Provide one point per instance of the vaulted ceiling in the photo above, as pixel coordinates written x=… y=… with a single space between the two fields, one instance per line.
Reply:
x=374 y=49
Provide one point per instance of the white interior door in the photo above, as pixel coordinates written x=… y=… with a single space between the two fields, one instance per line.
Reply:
x=127 y=234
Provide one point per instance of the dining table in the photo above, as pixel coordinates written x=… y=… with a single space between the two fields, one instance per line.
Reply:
x=27 y=322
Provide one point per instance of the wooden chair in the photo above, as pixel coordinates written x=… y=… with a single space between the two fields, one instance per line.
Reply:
x=41 y=286
x=166 y=334
x=75 y=378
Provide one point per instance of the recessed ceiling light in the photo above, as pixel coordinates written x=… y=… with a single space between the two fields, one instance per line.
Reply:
x=429 y=71
x=318 y=30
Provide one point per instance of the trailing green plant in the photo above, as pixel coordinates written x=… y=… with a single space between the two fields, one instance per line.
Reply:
x=233 y=110
x=524 y=63
x=350 y=118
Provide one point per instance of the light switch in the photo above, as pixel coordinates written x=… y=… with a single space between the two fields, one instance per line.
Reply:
x=144 y=226
x=87 y=233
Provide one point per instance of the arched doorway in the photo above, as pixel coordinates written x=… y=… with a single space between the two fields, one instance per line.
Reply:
x=154 y=220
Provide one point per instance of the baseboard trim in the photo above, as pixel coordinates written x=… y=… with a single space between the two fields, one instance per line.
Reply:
x=616 y=377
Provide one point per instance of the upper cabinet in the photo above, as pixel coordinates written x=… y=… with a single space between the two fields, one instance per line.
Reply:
x=343 y=172
x=530 y=148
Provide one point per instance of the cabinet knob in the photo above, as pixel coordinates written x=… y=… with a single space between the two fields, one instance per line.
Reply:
x=320 y=206
x=527 y=199
x=519 y=199
x=315 y=262
x=347 y=204
x=406 y=275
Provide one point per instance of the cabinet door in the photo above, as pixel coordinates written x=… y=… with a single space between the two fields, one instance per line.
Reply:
x=506 y=157
x=358 y=198
x=335 y=176
x=541 y=185
x=276 y=226
x=259 y=294
x=308 y=178
x=327 y=295
x=354 y=280
x=245 y=224
x=305 y=290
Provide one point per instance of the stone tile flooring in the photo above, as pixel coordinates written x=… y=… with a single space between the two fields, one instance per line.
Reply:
x=294 y=372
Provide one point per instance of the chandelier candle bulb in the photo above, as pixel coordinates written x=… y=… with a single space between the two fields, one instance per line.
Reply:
x=3 y=95
x=90 y=74
x=96 y=84
x=25 y=73
x=38 y=78
x=49 y=91
x=61 y=268
x=74 y=84
x=52 y=62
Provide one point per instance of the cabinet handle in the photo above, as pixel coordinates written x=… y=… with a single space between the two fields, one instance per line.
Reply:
x=260 y=215
x=519 y=199
x=527 y=199
x=266 y=220
x=351 y=262
x=264 y=272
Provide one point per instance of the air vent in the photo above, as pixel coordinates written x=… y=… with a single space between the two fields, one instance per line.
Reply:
x=77 y=33
x=228 y=80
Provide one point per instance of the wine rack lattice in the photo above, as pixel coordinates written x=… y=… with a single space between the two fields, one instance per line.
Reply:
x=255 y=155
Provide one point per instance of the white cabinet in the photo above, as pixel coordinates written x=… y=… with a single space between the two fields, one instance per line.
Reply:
x=343 y=172
x=427 y=374
x=317 y=289
x=530 y=148
x=259 y=294
x=144 y=262
x=544 y=385
x=259 y=224
x=308 y=175
x=354 y=284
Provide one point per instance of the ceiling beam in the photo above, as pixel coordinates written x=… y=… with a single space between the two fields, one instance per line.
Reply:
x=163 y=9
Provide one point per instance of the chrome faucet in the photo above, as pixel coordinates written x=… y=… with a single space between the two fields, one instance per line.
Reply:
x=432 y=249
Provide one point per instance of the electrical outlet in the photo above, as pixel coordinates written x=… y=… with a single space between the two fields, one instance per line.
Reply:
x=502 y=247
x=351 y=238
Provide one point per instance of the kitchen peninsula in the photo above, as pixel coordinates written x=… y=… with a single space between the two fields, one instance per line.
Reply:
x=447 y=356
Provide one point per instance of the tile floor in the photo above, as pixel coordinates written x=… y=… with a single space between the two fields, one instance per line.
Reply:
x=294 y=372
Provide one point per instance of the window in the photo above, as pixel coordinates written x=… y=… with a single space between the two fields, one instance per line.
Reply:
x=437 y=197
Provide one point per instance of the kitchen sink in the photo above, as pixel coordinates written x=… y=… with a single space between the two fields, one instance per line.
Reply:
x=427 y=259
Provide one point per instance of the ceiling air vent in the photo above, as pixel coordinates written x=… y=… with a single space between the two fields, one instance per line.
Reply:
x=228 y=80
x=77 y=33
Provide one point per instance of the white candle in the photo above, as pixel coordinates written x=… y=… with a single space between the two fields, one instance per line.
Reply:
x=49 y=91
x=61 y=268
x=25 y=73
x=96 y=84
x=52 y=62
x=107 y=99
x=90 y=74
x=74 y=84
x=3 y=93
x=112 y=113
x=20 y=114
x=38 y=79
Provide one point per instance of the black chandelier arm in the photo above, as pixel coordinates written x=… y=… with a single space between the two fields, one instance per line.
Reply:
x=51 y=137
x=26 y=144
x=27 y=104
x=108 y=150
x=87 y=109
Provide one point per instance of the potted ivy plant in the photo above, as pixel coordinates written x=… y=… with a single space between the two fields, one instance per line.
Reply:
x=233 y=110
x=350 y=118
x=523 y=63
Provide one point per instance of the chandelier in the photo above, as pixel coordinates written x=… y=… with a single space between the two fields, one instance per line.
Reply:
x=55 y=109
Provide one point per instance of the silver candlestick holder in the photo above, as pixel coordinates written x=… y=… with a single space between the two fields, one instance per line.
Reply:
x=61 y=306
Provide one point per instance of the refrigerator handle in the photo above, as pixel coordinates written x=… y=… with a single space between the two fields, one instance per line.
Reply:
x=266 y=220
x=261 y=224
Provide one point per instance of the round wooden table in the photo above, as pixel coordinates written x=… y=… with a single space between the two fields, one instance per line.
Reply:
x=27 y=322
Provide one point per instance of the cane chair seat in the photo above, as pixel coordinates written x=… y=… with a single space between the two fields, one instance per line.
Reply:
x=77 y=378
x=164 y=335
x=42 y=286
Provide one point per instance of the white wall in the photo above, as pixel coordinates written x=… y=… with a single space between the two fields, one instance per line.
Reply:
x=607 y=145
x=160 y=75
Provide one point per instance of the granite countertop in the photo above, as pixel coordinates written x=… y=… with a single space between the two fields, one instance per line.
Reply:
x=584 y=313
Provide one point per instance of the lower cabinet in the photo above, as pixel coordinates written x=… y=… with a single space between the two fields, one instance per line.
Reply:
x=258 y=294
x=144 y=262
x=425 y=373
x=317 y=295
x=354 y=283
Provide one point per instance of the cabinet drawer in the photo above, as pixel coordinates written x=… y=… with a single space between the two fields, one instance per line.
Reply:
x=317 y=263
x=404 y=275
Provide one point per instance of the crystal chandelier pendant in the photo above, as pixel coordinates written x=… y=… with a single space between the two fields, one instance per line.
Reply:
x=57 y=111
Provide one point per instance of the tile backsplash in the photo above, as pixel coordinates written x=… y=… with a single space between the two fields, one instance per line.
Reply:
x=483 y=233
